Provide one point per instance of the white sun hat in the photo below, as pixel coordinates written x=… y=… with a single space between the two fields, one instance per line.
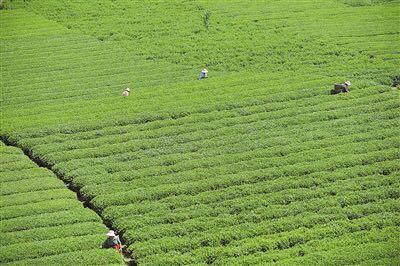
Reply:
x=127 y=89
x=347 y=83
x=111 y=233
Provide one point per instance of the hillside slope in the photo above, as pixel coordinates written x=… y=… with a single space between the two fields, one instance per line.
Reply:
x=42 y=222
x=257 y=164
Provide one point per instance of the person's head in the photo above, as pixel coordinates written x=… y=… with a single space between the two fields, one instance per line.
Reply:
x=110 y=233
x=347 y=83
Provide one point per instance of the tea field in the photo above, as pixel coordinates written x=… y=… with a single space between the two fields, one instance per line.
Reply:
x=42 y=222
x=256 y=165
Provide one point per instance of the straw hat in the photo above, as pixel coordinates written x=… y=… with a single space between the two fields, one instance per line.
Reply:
x=347 y=83
x=127 y=89
x=111 y=233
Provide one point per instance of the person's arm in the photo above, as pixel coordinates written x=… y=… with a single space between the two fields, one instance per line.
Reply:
x=118 y=240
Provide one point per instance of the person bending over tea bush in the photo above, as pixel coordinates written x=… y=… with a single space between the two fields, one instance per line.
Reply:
x=203 y=74
x=338 y=88
x=126 y=92
x=112 y=241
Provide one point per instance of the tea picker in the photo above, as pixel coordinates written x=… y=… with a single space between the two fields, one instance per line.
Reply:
x=203 y=74
x=126 y=92
x=112 y=241
x=338 y=88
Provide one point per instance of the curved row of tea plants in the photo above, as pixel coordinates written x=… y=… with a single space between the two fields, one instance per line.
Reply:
x=42 y=222
x=168 y=199
x=257 y=164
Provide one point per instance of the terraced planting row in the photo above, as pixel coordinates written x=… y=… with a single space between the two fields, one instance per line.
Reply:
x=212 y=131
x=257 y=164
x=88 y=61
x=42 y=222
x=71 y=72
x=184 y=188
x=222 y=40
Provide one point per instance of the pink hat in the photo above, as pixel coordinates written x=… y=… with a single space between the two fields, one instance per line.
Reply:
x=111 y=233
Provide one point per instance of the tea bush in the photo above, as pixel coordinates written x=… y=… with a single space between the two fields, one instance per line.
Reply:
x=257 y=164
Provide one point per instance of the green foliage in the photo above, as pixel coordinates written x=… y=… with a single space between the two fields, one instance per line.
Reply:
x=81 y=257
x=258 y=164
x=41 y=219
x=355 y=3
x=3 y=4
x=206 y=19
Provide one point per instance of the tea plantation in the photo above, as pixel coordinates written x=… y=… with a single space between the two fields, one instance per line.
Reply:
x=256 y=165
x=42 y=222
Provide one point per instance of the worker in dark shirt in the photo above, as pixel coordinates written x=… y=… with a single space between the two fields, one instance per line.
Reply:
x=338 y=88
x=112 y=241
